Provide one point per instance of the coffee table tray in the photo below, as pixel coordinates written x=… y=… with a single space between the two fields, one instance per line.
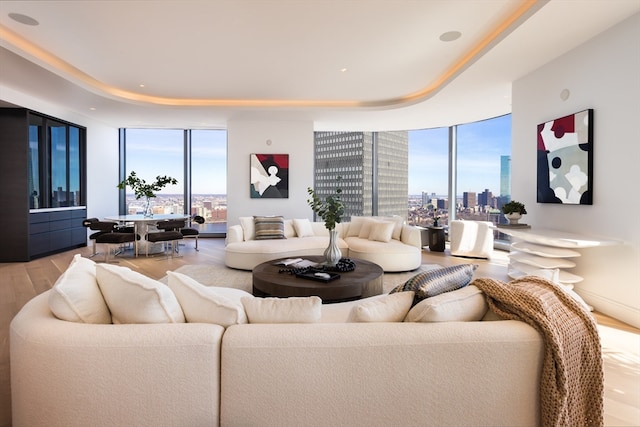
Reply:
x=311 y=275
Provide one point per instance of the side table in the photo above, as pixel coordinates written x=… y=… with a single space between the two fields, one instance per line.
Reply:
x=436 y=239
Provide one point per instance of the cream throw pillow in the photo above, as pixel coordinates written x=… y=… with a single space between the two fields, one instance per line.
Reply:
x=283 y=310
x=355 y=224
x=76 y=297
x=463 y=305
x=248 y=227
x=208 y=304
x=365 y=230
x=390 y=308
x=303 y=227
x=381 y=231
x=135 y=298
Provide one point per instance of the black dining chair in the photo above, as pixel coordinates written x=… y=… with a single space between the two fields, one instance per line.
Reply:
x=190 y=232
x=99 y=228
x=168 y=233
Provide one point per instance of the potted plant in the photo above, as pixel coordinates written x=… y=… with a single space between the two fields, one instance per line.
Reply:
x=142 y=189
x=330 y=210
x=513 y=211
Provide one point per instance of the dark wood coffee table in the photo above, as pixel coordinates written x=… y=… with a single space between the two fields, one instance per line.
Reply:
x=364 y=281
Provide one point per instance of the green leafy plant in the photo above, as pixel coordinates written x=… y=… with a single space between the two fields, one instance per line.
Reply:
x=514 y=207
x=330 y=210
x=142 y=189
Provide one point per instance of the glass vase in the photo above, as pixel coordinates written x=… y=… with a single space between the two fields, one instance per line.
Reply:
x=148 y=211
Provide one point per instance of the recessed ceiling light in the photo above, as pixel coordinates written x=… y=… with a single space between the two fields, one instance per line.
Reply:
x=92 y=108
x=450 y=36
x=141 y=85
x=23 y=19
x=343 y=70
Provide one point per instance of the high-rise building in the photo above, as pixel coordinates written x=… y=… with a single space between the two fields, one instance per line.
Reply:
x=469 y=199
x=358 y=157
x=505 y=176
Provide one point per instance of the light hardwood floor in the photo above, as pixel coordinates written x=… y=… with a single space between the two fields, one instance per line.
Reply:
x=19 y=282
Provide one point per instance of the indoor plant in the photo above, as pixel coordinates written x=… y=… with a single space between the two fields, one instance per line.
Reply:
x=142 y=189
x=513 y=211
x=331 y=211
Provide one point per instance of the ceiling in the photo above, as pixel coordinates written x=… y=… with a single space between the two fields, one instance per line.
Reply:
x=343 y=64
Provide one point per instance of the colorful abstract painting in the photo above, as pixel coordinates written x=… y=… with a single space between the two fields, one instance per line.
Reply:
x=565 y=159
x=269 y=176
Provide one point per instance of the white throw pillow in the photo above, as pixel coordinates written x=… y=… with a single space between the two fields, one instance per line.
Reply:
x=76 y=297
x=248 y=227
x=390 y=308
x=135 y=298
x=381 y=231
x=208 y=304
x=283 y=310
x=303 y=227
x=365 y=230
x=355 y=224
x=397 y=229
x=462 y=305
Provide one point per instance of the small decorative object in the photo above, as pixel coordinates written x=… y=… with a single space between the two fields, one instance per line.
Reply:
x=331 y=211
x=436 y=221
x=148 y=191
x=513 y=211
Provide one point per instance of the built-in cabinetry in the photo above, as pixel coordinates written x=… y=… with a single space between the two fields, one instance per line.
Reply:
x=535 y=250
x=43 y=190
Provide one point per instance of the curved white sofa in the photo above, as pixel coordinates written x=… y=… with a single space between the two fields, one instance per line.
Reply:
x=318 y=374
x=400 y=252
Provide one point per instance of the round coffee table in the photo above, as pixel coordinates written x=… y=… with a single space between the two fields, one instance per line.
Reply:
x=364 y=281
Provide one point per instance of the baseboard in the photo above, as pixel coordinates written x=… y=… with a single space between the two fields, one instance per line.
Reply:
x=615 y=309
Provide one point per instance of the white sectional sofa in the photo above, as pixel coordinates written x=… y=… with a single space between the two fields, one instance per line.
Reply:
x=346 y=364
x=385 y=241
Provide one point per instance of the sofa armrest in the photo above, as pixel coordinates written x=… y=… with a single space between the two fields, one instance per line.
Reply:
x=234 y=234
x=410 y=235
x=77 y=374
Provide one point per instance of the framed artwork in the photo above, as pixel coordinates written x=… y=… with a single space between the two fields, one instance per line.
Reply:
x=269 y=176
x=565 y=160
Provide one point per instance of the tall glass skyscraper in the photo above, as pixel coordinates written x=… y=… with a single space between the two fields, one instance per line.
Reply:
x=373 y=167
x=505 y=177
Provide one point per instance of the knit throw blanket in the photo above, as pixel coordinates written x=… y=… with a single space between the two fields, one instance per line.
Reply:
x=571 y=387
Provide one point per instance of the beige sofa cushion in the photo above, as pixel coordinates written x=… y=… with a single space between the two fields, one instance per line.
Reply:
x=76 y=297
x=207 y=304
x=283 y=310
x=462 y=305
x=388 y=308
x=248 y=227
x=303 y=227
x=381 y=231
x=135 y=298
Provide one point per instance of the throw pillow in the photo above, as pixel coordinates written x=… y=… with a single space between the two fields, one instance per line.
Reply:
x=462 y=305
x=135 y=298
x=434 y=282
x=355 y=224
x=303 y=227
x=283 y=310
x=207 y=304
x=390 y=308
x=76 y=297
x=269 y=227
x=381 y=231
x=248 y=227
x=365 y=230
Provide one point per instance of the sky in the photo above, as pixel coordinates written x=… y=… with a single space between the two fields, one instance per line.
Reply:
x=480 y=146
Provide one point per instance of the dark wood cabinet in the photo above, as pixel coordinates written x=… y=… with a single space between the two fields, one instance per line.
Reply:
x=43 y=171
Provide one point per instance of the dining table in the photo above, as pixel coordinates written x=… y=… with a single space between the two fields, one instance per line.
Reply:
x=141 y=224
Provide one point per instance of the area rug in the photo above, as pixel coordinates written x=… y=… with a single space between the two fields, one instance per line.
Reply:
x=213 y=275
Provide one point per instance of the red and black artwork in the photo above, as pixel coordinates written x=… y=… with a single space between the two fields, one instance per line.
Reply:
x=269 y=176
x=565 y=159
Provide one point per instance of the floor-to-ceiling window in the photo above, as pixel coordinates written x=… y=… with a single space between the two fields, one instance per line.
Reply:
x=209 y=179
x=481 y=168
x=196 y=158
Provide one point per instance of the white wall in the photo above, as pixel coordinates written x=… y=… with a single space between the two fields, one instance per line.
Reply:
x=102 y=152
x=603 y=74
x=245 y=137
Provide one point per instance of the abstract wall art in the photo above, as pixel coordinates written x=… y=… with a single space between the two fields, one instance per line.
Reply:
x=565 y=159
x=269 y=176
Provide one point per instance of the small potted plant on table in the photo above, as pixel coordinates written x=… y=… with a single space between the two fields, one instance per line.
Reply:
x=513 y=211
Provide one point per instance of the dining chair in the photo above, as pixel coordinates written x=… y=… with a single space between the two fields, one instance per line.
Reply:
x=168 y=234
x=190 y=232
